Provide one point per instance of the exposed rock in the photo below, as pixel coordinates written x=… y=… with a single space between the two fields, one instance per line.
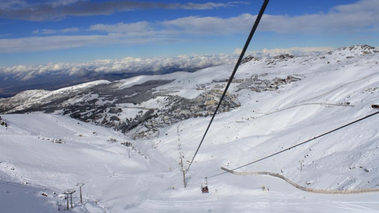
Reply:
x=355 y=50
x=114 y=110
x=248 y=58
x=284 y=57
x=278 y=58
x=3 y=123
x=112 y=140
x=114 y=118
x=127 y=144
x=177 y=109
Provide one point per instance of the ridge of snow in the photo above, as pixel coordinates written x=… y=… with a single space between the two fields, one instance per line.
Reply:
x=30 y=97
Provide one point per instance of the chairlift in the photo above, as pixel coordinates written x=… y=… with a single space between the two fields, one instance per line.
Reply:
x=204 y=186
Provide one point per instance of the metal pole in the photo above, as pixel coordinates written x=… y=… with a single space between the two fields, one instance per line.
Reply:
x=81 y=197
x=68 y=207
x=184 y=172
x=80 y=185
x=72 y=206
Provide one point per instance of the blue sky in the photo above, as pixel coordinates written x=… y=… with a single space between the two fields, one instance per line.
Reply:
x=44 y=31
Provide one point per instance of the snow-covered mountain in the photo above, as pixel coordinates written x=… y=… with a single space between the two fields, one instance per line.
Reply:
x=56 y=139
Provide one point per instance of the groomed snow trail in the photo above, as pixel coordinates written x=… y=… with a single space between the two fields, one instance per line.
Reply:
x=306 y=189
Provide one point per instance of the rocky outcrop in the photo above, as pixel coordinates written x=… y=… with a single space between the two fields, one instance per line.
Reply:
x=147 y=123
x=284 y=57
x=257 y=84
x=3 y=123
x=248 y=58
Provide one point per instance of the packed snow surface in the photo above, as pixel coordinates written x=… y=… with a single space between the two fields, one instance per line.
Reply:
x=48 y=154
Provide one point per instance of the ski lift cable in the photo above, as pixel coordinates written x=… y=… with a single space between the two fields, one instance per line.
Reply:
x=299 y=144
x=256 y=23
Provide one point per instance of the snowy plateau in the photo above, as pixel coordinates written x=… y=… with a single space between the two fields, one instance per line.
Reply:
x=124 y=139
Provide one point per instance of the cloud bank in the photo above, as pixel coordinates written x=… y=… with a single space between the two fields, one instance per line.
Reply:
x=124 y=65
x=57 y=10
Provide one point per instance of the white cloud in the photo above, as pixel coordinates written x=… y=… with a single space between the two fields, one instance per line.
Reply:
x=12 y=4
x=137 y=28
x=54 y=42
x=298 y=51
x=40 y=11
x=51 y=31
x=70 y=30
x=362 y=16
x=124 y=65
x=41 y=43
x=58 y=3
x=45 y=31
x=291 y=50
x=237 y=51
x=205 y=6
x=210 y=25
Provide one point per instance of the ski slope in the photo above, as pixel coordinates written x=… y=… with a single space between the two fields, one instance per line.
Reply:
x=335 y=88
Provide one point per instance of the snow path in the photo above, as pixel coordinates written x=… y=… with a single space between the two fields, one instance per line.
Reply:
x=306 y=189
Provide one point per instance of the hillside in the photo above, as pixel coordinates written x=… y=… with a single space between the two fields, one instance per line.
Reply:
x=56 y=139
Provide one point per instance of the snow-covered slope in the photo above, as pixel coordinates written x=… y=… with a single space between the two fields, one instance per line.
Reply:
x=58 y=152
x=29 y=98
x=282 y=101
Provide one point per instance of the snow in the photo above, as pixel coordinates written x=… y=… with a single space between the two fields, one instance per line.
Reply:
x=29 y=97
x=15 y=197
x=267 y=122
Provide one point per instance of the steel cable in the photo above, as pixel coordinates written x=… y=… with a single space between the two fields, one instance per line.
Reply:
x=257 y=20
